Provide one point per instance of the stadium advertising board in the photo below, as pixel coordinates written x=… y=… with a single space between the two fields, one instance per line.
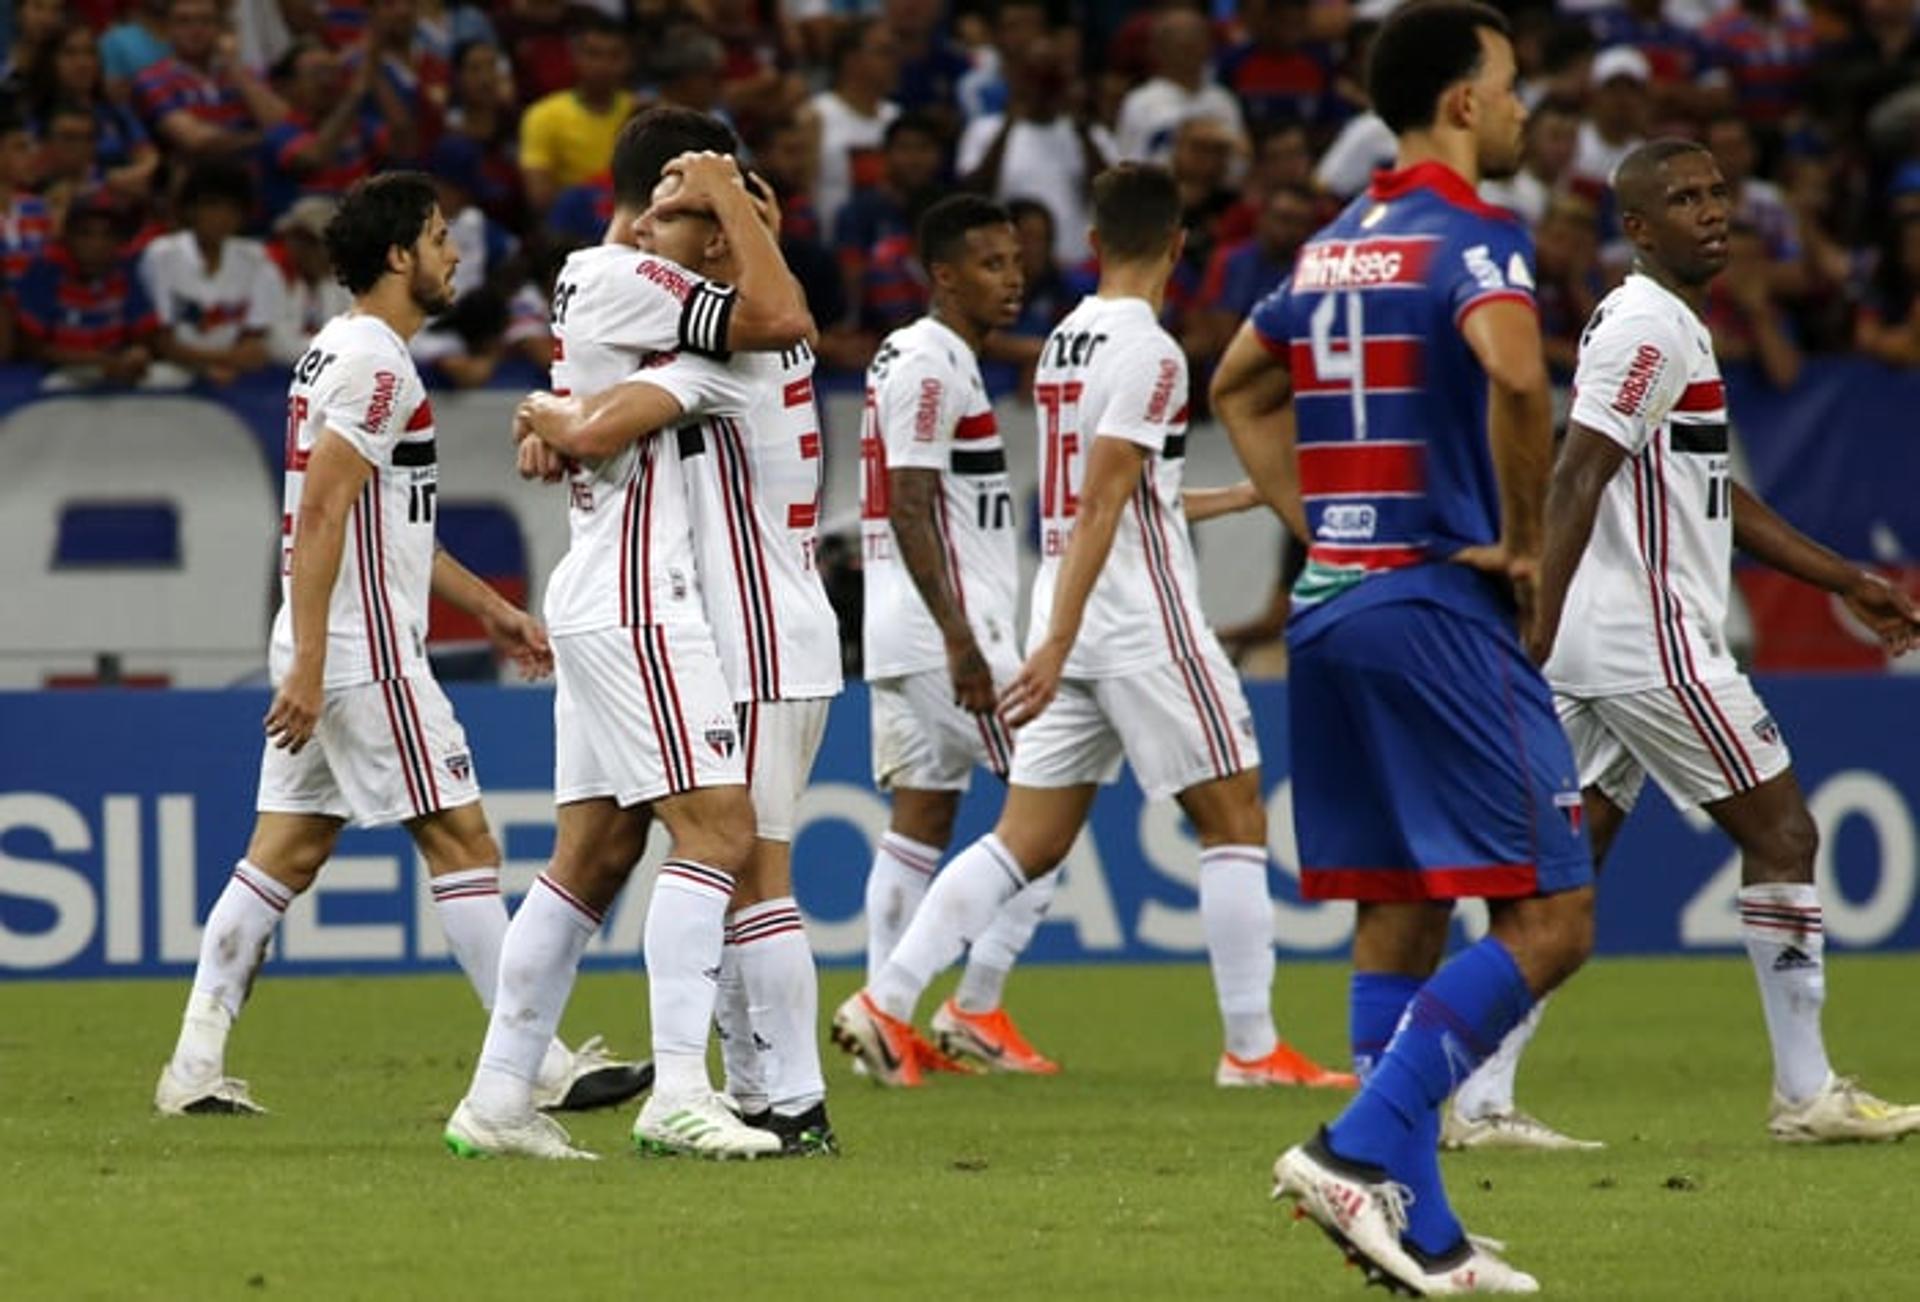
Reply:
x=121 y=814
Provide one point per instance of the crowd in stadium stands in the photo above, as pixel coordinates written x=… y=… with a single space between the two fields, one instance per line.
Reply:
x=167 y=166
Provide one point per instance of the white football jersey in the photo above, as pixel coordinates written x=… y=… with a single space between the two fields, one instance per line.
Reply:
x=212 y=309
x=1648 y=604
x=750 y=451
x=927 y=409
x=357 y=380
x=1109 y=371
x=630 y=559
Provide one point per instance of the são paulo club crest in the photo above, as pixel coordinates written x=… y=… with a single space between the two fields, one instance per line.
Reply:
x=460 y=764
x=721 y=736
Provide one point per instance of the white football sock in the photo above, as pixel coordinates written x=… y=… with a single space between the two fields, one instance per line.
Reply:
x=1489 y=1091
x=902 y=870
x=1236 y=912
x=1786 y=939
x=231 y=949
x=475 y=922
x=960 y=906
x=783 y=996
x=983 y=983
x=539 y=958
x=686 y=931
x=746 y=1078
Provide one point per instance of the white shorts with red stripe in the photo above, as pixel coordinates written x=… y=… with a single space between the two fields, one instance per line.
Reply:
x=924 y=741
x=1702 y=743
x=1178 y=724
x=640 y=714
x=382 y=753
x=781 y=739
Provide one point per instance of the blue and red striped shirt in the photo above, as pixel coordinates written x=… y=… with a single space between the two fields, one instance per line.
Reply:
x=171 y=86
x=25 y=228
x=60 y=308
x=1768 y=61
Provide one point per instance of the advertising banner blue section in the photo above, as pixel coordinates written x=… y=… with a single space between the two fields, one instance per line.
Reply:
x=121 y=814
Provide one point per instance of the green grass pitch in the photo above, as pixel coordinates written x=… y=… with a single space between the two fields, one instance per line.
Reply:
x=1129 y=1176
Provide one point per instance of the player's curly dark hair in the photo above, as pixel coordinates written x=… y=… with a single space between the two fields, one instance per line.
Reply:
x=378 y=215
x=941 y=233
x=651 y=139
x=1420 y=51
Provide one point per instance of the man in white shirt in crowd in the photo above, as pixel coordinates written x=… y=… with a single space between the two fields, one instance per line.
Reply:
x=217 y=293
x=1182 y=87
x=854 y=113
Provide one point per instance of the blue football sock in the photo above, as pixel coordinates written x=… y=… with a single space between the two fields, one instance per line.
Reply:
x=1453 y=1023
x=1375 y=1002
x=1431 y=1224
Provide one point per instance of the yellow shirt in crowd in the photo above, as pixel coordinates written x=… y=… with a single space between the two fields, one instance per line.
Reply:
x=569 y=141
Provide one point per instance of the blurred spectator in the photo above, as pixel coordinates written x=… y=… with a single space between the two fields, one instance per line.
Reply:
x=1888 y=324
x=1279 y=74
x=1768 y=53
x=931 y=65
x=1202 y=164
x=69 y=166
x=1553 y=134
x=567 y=137
x=820 y=22
x=69 y=77
x=486 y=247
x=1363 y=147
x=1240 y=275
x=1182 y=88
x=25 y=223
x=218 y=295
x=133 y=46
x=1880 y=59
x=1759 y=204
x=481 y=109
x=852 y=116
x=534 y=34
x=327 y=141
x=1747 y=324
x=1568 y=283
x=199 y=99
x=685 y=68
x=409 y=96
x=1565 y=72
x=81 y=309
x=1824 y=315
x=1017 y=25
x=874 y=233
x=1684 y=82
x=757 y=80
x=443 y=30
x=313 y=296
x=261 y=30
x=1052 y=291
x=35 y=24
x=1281 y=158
x=784 y=157
x=1617 y=117
x=1038 y=149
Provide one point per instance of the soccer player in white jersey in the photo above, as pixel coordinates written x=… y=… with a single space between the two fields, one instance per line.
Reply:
x=358 y=730
x=748 y=438
x=1642 y=520
x=643 y=717
x=1120 y=664
x=942 y=577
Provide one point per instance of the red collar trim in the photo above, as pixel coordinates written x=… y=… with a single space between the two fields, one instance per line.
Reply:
x=1446 y=184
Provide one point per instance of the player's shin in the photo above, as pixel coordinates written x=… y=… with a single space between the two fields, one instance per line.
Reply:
x=467 y=904
x=1489 y=1091
x=231 y=950
x=539 y=958
x=984 y=982
x=1376 y=1001
x=1781 y=924
x=902 y=871
x=960 y=906
x=740 y=1056
x=1236 y=913
x=783 y=1000
x=686 y=922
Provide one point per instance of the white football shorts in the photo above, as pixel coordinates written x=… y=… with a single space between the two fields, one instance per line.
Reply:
x=1178 y=724
x=640 y=714
x=382 y=753
x=924 y=741
x=782 y=738
x=1702 y=743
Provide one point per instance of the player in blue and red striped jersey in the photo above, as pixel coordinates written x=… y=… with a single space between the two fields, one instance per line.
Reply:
x=1429 y=766
x=81 y=304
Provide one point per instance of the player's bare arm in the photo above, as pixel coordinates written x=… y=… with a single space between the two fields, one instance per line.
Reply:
x=1587 y=464
x=1889 y=611
x=1211 y=503
x=771 y=312
x=911 y=509
x=513 y=632
x=336 y=474
x=1252 y=394
x=1113 y=474
x=1505 y=337
x=594 y=428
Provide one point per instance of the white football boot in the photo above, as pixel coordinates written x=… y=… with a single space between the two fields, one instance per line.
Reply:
x=468 y=1134
x=214 y=1096
x=700 y=1125
x=1510 y=1129
x=592 y=1078
x=1363 y=1213
x=1482 y=1270
x=1840 y=1113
